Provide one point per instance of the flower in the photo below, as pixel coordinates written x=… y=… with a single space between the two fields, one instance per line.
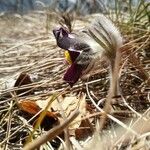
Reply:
x=73 y=51
x=82 y=50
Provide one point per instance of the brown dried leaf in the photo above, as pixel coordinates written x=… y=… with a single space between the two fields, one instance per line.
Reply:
x=29 y=106
x=23 y=79
x=70 y=104
x=84 y=130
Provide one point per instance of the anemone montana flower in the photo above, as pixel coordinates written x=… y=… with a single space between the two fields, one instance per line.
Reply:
x=82 y=50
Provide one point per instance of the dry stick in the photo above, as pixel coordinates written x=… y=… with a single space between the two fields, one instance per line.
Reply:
x=136 y=62
x=124 y=100
x=14 y=97
x=66 y=131
x=51 y=134
x=21 y=44
x=8 y=126
x=42 y=115
x=141 y=126
x=20 y=128
x=110 y=116
x=32 y=88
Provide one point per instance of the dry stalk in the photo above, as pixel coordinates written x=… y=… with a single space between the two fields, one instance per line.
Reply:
x=66 y=131
x=51 y=133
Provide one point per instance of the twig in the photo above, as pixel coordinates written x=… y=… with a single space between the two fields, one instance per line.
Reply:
x=51 y=133
x=110 y=116
x=8 y=125
x=66 y=131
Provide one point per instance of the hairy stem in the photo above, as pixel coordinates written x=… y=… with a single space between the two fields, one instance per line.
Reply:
x=114 y=86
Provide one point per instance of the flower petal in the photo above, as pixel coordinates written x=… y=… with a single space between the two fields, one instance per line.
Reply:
x=69 y=41
x=74 y=55
x=71 y=56
x=73 y=73
x=60 y=32
x=62 y=39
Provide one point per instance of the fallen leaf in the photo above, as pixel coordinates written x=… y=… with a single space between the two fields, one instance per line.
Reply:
x=23 y=79
x=69 y=104
x=84 y=130
x=29 y=106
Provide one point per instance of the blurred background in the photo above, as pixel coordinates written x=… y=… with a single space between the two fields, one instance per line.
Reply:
x=81 y=7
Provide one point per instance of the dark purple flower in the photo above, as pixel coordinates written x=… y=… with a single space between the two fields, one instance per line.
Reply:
x=100 y=39
x=73 y=45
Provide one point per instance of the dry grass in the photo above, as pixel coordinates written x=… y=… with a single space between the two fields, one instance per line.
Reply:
x=27 y=45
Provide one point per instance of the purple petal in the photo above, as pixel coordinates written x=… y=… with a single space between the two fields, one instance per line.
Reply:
x=60 y=32
x=62 y=39
x=73 y=55
x=64 y=32
x=67 y=40
x=73 y=73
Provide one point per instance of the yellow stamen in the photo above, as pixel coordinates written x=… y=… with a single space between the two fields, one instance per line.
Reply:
x=67 y=56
